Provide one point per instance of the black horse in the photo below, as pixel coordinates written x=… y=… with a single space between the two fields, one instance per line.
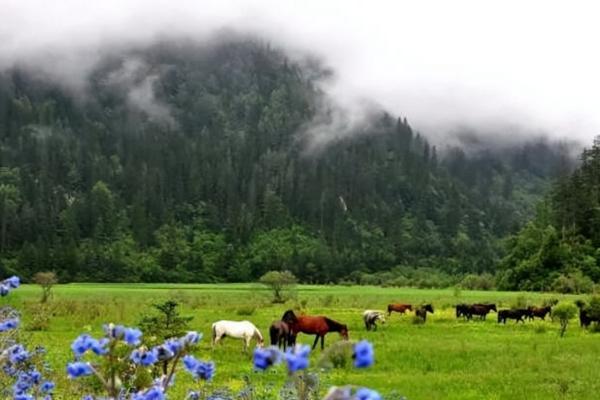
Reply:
x=517 y=315
x=422 y=311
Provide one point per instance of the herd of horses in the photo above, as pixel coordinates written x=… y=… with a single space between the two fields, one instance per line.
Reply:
x=283 y=333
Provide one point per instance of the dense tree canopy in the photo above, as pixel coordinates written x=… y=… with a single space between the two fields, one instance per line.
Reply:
x=200 y=164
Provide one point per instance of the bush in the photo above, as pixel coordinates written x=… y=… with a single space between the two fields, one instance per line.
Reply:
x=564 y=312
x=281 y=283
x=46 y=280
x=246 y=310
x=519 y=302
x=575 y=282
x=478 y=282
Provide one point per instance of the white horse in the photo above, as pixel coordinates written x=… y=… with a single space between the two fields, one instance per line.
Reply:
x=370 y=317
x=244 y=330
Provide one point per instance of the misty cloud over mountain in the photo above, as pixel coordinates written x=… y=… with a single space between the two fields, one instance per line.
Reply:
x=509 y=70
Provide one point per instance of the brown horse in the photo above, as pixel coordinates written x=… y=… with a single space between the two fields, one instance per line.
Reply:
x=539 y=312
x=281 y=335
x=482 y=310
x=314 y=325
x=399 y=308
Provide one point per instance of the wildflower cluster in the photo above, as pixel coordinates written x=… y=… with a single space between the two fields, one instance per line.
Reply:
x=297 y=359
x=7 y=285
x=111 y=346
x=16 y=361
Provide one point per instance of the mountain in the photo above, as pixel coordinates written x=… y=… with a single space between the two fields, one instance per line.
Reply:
x=219 y=162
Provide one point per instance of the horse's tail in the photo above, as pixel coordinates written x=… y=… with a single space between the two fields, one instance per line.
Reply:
x=274 y=335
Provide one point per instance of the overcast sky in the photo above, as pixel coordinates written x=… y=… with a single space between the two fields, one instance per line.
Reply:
x=480 y=64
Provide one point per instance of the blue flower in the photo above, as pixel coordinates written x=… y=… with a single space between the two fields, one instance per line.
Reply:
x=363 y=354
x=13 y=282
x=367 y=394
x=199 y=369
x=132 y=336
x=163 y=352
x=192 y=395
x=47 y=387
x=77 y=369
x=265 y=358
x=174 y=346
x=297 y=359
x=17 y=353
x=154 y=393
x=9 y=324
x=192 y=338
x=85 y=342
x=144 y=357
x=23 y=397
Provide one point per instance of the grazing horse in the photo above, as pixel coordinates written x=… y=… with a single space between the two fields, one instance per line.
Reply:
x=370 y=317
x=281 y=335
x=539 y=312
x=422 y=311
x=244 y=330
x=462 y=310
x=314 y=325
x=482 y=310
x=517 y=315
x=400 y=308
x=585 y=319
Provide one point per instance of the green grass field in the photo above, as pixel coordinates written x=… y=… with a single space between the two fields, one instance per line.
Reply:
x=442 y=359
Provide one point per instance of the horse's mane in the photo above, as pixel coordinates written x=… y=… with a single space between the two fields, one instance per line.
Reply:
x=289 y=317
x=334 y=325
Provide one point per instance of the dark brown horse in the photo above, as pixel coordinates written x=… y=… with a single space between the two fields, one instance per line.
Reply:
x=399 y=308
x=281 y=335
x=517 y=315
x=422 y=311
x=539 y=312
x=314 y=325
x=482 y=310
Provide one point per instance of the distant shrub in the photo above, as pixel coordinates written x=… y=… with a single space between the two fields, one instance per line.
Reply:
x=456 y=292
x=574 y=282
x=399 y=281
x=281 y=283
x=564 y=312
x=478 y=282
x=338 y=355
x=46 y=280
x=550 y=302
x=519 y=302
x=245 y=310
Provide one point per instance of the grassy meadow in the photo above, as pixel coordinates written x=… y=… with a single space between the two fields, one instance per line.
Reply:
x=445 y=358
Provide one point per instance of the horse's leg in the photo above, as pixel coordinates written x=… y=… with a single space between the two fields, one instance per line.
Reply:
x=322 y=342
x=316 y=341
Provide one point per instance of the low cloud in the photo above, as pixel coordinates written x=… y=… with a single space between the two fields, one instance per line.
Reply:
x=449 y=67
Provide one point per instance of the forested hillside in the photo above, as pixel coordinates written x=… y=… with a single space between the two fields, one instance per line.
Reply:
x=560 y=248
x=197 y=163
